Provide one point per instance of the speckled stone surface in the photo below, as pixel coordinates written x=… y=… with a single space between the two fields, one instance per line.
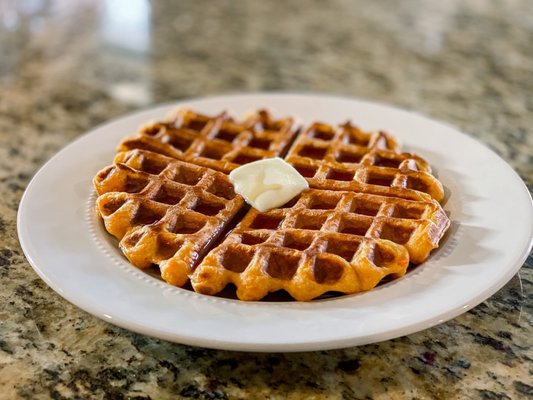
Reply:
x=66 y=66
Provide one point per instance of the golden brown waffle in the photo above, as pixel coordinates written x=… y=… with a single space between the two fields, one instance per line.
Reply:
x=346 y=158
x=322 y=241
x=216 y=142
x=372 y=210
x=164 y=211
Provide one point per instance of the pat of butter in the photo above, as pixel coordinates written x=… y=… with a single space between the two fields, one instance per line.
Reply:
x=268 y=183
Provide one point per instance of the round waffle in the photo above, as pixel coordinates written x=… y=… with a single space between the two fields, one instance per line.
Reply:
x=371 y=209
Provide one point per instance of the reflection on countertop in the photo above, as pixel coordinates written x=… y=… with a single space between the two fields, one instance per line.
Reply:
x=66 y=66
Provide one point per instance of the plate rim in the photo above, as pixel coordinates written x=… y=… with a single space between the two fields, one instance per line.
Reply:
x=302 y=345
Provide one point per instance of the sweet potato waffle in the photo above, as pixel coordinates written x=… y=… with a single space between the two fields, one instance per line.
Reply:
x=346 y=158
x=164 y=211
x=370 y=212
x=218 y=142
x=322 y=241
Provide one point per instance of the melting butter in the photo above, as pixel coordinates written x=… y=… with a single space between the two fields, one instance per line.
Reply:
x=267 y=184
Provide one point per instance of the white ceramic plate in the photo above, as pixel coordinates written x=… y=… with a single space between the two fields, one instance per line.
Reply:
x=490 y=237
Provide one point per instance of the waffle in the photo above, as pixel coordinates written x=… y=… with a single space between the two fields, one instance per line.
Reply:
x=346 y=158
x=371 y=209
x=217 y=142
x=164 y=211
x=322 y=241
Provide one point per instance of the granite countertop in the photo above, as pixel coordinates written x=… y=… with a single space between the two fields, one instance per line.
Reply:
x=66 y=66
